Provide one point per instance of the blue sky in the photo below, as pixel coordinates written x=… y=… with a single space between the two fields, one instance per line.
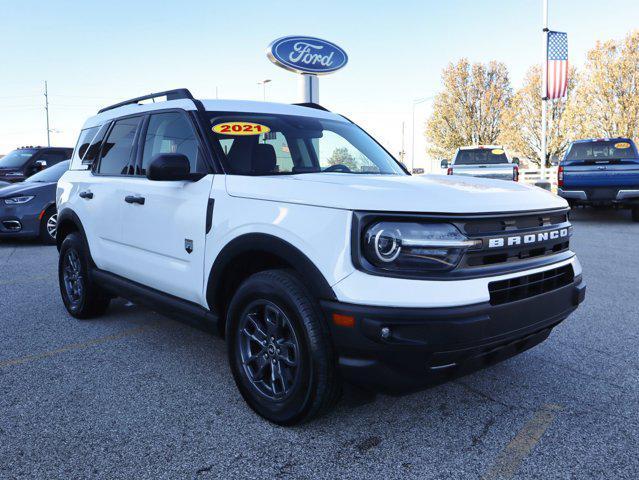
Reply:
x=96 y=53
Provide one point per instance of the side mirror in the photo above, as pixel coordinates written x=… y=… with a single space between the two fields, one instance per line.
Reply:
x=169 y=167
x=444 y=164
x=516 y=161
x=39 y=165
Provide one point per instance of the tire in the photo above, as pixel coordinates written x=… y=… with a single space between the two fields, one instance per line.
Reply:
x=635 y=214
x=81 y=296
x=49 y=226
x=285 y=369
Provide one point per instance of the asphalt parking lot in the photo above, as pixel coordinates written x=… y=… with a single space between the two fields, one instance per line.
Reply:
x=136 y=395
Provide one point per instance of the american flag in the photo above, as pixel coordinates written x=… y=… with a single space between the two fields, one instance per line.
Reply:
x=557 y=65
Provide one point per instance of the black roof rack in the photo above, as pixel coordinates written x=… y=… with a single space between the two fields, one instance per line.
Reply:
x=317 y=106
x=176 y=94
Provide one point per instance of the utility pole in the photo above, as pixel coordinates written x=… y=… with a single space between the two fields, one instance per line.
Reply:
x=417 y=101
x=46 y=109
x=402 y=153
x=543 y=183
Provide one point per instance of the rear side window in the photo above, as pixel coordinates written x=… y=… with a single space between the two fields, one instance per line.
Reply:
x=171 y=132
x=53 y=157
x=118 y=147
x=84 y=141
x=481 y=156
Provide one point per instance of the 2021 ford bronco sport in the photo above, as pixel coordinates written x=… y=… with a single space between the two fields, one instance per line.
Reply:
x=302 y=241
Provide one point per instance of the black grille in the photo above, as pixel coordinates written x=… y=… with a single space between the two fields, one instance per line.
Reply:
x=507 y=224
x=519 y=288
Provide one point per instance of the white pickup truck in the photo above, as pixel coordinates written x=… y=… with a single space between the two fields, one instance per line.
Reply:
x=489 y=161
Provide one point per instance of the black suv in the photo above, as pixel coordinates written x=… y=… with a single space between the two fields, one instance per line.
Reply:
x=25 y=161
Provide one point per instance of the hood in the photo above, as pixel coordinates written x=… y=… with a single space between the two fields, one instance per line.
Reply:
x=27 y=188
x=390 y=193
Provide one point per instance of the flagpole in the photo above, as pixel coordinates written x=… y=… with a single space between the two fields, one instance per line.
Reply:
x=543 y=183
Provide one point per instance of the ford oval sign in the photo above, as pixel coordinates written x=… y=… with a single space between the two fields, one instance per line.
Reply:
x=307 y=55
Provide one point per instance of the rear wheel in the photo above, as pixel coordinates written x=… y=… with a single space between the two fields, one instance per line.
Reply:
x=80 y=295
x=49 y=226
x=279 y=349
x=635 y=214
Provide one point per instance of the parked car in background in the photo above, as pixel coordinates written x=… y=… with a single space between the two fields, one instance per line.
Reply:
x=601 y=172
x=27 y=209
x=25 y=161
x=488 y=161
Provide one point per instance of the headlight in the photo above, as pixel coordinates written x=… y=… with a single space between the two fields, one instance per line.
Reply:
x=18 y=200
x=414 y=247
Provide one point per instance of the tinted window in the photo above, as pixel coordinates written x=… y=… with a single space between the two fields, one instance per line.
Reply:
x=52 y=174
x=84 y=140
x=117 y=148
x=481 y=156
x=94 y=149
x=257 y=144
x=171 y=133
x=602 y=150
x=16 y=159
x=53 y=157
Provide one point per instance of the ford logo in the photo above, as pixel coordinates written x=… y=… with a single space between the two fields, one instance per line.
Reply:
x=306 y=55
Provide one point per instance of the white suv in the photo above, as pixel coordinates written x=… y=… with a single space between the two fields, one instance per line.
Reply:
x=298 y=237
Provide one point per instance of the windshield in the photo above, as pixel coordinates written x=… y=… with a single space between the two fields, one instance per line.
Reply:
x=601 y=150
x=51 y=174
x=16 y=159
x=267 y=144
x=481 y=156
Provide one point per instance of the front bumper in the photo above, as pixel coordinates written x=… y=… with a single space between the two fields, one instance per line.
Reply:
x=19 y=222
x=426 y=346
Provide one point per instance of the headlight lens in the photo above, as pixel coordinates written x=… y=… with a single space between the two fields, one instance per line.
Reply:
x=415 y=247
x=18 y=200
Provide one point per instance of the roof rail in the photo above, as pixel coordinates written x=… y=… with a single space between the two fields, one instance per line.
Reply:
x=175 y=94
x=317 y=106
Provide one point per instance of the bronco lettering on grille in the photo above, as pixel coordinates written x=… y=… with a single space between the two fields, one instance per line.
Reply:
x=528 y=238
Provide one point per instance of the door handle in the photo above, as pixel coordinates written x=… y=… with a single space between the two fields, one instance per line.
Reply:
x=134 y=199
x=87 y=195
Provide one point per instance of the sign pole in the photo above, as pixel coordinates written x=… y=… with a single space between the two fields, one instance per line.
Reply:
x=543 y=183
x=309 y=88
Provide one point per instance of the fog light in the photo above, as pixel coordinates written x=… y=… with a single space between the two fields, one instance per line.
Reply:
x=385 y=332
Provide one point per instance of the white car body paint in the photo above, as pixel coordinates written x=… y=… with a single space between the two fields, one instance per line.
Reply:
x=313 y=212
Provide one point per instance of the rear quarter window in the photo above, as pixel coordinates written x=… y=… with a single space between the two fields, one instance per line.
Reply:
x=81 y=147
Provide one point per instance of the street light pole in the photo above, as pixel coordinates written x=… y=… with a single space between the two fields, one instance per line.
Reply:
x=46 y=109
x=263 y=83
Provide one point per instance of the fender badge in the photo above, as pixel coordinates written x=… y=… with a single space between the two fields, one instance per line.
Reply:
x=188 y=245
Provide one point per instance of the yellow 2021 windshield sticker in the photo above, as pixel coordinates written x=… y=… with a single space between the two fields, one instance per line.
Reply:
x=622 y=145
x=240 y=128
x=497 y=151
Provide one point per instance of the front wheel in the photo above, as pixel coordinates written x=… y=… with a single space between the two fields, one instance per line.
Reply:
x=279 y=349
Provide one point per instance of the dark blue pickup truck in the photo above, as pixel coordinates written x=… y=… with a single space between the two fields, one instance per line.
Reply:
x=603 y=171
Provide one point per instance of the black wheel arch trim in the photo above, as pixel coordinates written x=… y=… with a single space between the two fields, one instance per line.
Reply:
x=272 y=245
x=65 y=216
